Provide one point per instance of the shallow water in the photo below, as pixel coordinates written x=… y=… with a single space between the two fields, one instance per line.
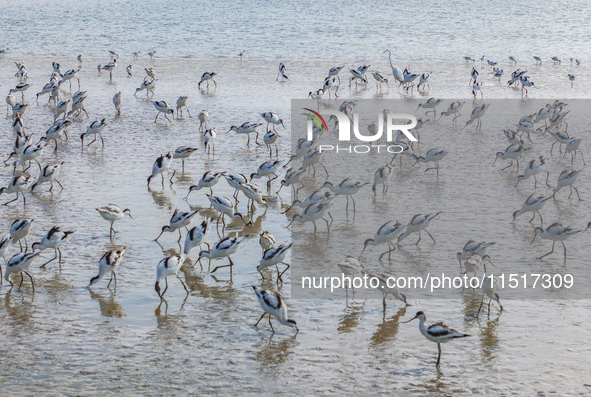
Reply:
x=69 y=339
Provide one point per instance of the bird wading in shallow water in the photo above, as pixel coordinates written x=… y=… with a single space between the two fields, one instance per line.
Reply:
x=438 y=333
x=108 y=264
x=274 y=305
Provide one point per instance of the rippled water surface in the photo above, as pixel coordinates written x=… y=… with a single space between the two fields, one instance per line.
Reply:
x=72 y=340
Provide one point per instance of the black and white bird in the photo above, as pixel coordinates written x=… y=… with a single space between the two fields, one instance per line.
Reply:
x=178 y=221
x=272 y=118
x=55 y=132
x=274 y=305
x=282 y=70
x=270 y=138
x=95 y=128
x=161 y=164
x=209 y=179
x=169 y=266
x=417 y=223
x=387 y=233
x=183 y=152
x=273 y=257
x=571 y=78
x=489 y=289
x=208 y=140
x=30 y=153
x=62 y=108
x=334 y=71
x=203 y=116
x=386 y=287
x=247 y=128
x=162 y=107
x=206 y=77
x=113 y=213
x=196 y=236
x=21 y=87
x=109 y=67
x=18 y=184
x=54 y=238
x=69 y=76
x=148 y=85
x=222 y=249
x=268 y=168
x=266 y=240
x=19 y=263
x=438 y=333
x=117 y=102
x=181 y=103
x=108 y=264
x=19 y=230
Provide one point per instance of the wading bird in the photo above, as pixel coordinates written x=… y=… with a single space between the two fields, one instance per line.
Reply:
x=108 y=264
x=438 y=333
x=274 y=305
x=113 y=213
x=55 y=238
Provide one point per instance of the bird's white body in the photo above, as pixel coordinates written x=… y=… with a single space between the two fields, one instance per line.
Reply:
x=566 y=178
x=273 y=256
x=111 y=213
x=161 y=164
x=55 y=238
x=95 y=128
x=117 y=102
x=266 y=240
x=387 y=287
x=346 y=187
x=108 y=264
x=48 y=174
x=162 y=107
x=196 y=236
x=351 y=266
x=169 y=266
x=417 y=223
x=532 y=204
x=473 y=247
x=387 y=233
x=20 y=263
x=209 y=179
x=20 y=229
x=274 y=305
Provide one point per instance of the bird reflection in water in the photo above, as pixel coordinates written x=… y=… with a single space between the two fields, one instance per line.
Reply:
x=350 y=318
x=19 y=308
x=107 y=303
x=161 y=199
x=223 y=293
x=471 y=299
x=388 y=329
x=169 y=322
x=489 y=340
x=272 y=353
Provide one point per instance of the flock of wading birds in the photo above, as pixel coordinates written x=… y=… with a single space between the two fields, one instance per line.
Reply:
x=71 y=107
